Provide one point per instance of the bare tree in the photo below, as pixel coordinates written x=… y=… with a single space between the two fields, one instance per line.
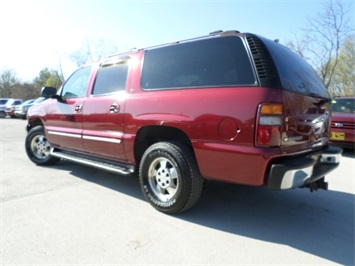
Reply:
x=324 y=38
x=298 y=46
x=91 y=51
x=8 y=79
x=59 y=70
x=25 y=91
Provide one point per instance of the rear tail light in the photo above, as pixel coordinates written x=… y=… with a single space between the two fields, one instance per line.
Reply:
x=268 y=127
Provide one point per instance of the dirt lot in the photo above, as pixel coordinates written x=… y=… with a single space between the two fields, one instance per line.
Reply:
x=71 y=214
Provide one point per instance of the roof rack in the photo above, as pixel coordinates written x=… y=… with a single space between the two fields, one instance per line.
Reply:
x=215 y=32
x=210 y=35
x=230 y=32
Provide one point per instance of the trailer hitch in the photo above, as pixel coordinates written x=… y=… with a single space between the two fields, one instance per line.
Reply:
x=319 y=184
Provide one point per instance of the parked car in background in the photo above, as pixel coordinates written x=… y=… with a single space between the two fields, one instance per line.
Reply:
x=23 y=112
x=3 y=103
x=8 y=105
x=343 y=122
x=18 y=109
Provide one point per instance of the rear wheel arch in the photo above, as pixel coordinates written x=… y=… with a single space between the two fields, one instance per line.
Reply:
x=148 y=135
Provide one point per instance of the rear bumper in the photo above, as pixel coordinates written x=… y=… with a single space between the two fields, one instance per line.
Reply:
x=301 y=171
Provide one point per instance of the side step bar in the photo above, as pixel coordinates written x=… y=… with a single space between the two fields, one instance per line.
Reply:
x=104 y=165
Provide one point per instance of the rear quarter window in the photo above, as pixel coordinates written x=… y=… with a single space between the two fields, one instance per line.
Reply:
x=206 y=63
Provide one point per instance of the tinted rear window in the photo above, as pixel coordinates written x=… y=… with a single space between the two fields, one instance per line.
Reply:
x=206 y=63
x=295 y=73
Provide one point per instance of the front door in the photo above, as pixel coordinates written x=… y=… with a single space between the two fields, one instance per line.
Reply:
x=64 y=116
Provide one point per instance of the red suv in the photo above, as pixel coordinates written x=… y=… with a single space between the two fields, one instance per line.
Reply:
x=343 y=122
x=229 y=106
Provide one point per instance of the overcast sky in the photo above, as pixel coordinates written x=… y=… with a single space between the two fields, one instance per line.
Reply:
x=40 y=33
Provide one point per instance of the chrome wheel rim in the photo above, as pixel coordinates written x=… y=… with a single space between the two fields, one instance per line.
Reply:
x=40 y=147
x=163 y=179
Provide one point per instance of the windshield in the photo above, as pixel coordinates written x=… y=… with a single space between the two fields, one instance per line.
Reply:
x=3 y=102
x=28 y=102
x=343 y=105
x=39 y=100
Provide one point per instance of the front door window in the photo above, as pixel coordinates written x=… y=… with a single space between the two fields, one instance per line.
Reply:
x=76 y=85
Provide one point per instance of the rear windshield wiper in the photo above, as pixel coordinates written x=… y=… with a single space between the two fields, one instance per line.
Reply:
x=321 y=102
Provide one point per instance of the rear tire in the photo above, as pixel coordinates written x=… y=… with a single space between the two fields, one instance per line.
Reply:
x=170 y=178
x=38 y=147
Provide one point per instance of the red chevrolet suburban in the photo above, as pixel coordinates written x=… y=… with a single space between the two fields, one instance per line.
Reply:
x=229 y=106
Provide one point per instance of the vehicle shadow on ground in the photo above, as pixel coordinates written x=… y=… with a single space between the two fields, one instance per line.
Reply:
x=349 y=153
x=320 y=223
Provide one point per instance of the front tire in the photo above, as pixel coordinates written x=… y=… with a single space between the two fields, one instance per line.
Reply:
x=38 y=147
x=170 y=178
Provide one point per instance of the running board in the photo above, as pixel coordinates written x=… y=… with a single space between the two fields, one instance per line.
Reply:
x=104 y=165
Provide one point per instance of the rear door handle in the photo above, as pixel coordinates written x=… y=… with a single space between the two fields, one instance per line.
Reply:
x=114 y=108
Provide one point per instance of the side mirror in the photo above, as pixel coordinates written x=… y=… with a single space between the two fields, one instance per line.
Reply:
x=49 y=92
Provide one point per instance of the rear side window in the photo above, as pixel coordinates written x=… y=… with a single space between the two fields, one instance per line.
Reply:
x=206 y=63
x=295 y=73
x=111 y=79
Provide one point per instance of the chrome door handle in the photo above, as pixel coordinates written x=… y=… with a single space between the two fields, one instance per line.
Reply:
x=114 y=108
x=78 y=108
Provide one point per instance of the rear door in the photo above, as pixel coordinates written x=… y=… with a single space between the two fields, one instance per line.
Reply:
x=307 y=121
x=103 y=115
x=307 y=107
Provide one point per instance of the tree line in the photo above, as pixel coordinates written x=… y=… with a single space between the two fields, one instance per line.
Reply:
x=328 y=44
x=12 y=87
